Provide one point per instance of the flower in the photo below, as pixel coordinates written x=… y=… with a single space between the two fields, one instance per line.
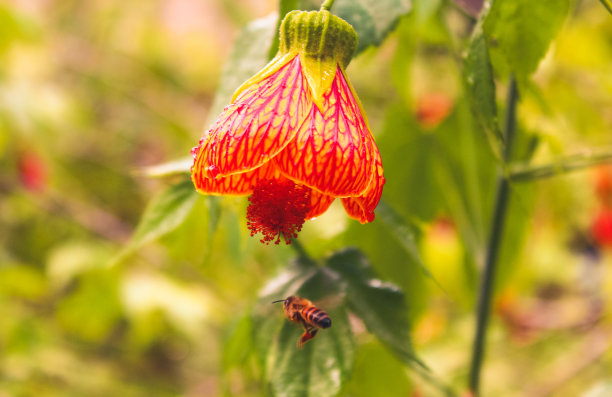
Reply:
x=295 y=136
x=32 y=171
x=432 y=109
x=601 y=228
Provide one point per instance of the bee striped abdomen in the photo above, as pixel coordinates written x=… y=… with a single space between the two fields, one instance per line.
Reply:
x=317 y=317
x=303 y=312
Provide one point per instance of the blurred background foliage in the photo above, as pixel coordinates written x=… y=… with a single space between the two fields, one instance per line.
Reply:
x=94 y=304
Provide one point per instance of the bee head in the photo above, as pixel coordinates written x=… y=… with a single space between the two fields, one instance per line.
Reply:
x=286 y=301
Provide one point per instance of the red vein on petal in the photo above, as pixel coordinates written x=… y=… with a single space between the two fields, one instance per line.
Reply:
x=331 y=152
x=258 y=124
x=236 y=184
x=362 y=208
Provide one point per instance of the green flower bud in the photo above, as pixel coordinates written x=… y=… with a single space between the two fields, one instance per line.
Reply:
x=318 y=35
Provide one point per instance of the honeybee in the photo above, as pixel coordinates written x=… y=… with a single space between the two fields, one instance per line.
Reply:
x=303 y=312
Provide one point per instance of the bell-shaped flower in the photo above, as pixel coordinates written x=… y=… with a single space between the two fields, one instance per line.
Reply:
x=295 y=136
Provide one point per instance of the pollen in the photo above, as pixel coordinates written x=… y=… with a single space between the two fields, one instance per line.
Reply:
x=278 y=210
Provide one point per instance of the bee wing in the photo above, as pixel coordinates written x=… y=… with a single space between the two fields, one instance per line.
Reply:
x=330 y=302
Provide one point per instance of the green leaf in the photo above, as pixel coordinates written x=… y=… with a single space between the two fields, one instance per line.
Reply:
x=372 y=19
x=248 y=56
x=389 y=260
x=193 y=241
x=237 y=346
x=480 y=84
x=93 y=309
x=265 y=324
x=376 y=366
x=163 y=214
x=409 y=161
x=381 y=306
x=405 y=233
x=522 y=31
x=323 y=364
x=318 y=369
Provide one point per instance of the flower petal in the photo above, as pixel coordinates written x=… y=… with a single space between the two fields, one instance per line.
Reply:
x=319 y=204
x=258 y=124
x=362 y=207
x=333 y=149
x=235 y=184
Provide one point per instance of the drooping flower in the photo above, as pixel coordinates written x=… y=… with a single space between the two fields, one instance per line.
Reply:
x=295 y=136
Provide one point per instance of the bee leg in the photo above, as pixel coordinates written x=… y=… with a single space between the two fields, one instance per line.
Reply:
x=310 y=333
x=298 y=319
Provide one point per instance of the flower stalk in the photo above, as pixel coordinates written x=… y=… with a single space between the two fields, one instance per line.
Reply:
x=576 y=162
x=486 y=290
x=327 y=5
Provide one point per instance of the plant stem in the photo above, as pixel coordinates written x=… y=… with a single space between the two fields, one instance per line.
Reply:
x=303 y=255
x=527 y=173
x=607 y=4
x=327 y=5
x=497 y=226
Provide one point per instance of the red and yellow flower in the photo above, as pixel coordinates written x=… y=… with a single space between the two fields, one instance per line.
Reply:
x=295 y=136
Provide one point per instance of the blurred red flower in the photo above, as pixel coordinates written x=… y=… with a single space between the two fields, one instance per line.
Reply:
x=603 y=185
x=32 y=171
x=601 y=229
x=433 y=108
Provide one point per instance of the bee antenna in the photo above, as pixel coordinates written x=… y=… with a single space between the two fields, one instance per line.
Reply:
x=282 y=300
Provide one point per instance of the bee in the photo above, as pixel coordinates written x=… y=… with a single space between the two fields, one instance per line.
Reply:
x=303 y=312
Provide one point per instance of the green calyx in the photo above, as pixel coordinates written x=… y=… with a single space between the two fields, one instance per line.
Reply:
x=318 y=35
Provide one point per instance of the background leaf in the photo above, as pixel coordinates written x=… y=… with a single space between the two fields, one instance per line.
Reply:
x=167 y=211
x=607 y=4
x=405 y=232
x=381 y=306
x=480 y=88
x=376 y=366
x=372 y=19
x=265 y=324
x=522 y=31
x=318 y=369
x=323 y=364
x=284 y=7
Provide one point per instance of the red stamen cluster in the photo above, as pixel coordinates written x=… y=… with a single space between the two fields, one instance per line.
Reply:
x=278 y=208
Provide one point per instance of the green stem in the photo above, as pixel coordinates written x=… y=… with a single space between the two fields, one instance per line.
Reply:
x=607 y=4
x=526 y=173
x=486 y=290
x=327 y=5
x=303 y=255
